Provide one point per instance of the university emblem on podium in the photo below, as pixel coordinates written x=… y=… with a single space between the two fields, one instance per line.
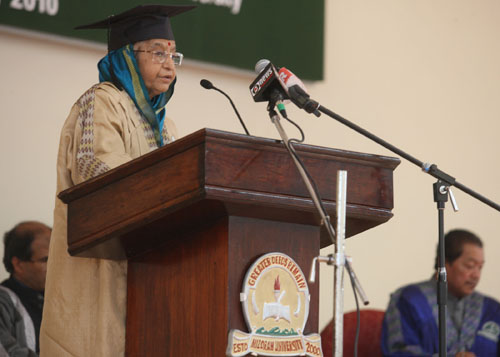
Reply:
x=275 y=301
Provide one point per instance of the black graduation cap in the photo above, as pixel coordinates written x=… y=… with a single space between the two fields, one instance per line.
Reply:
x=140 y=23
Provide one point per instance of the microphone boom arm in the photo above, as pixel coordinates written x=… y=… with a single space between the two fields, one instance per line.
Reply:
x=299 y=96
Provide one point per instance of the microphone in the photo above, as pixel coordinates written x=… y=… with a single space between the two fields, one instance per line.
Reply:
x=302 y=100
x=261 y=64
x=297 y=92
x=290 y=79
x=276 y=85
x=286 y=76
x=267 y=86
x=205 y=83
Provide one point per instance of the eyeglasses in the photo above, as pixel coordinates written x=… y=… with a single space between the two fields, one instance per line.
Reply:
x=161 y=56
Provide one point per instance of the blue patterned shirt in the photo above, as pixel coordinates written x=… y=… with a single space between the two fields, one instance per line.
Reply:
x=410 y=325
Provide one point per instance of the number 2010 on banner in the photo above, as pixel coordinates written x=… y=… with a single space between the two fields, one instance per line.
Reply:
x=49 y=7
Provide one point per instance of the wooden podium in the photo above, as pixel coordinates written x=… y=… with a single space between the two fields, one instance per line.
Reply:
x=193 y=216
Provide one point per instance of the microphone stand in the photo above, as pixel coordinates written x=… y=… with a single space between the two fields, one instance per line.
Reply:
x=325 y=219
x=440 y=197
x=337 y=238
x=441 y=191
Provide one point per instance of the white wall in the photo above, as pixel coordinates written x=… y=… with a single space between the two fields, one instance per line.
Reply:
x=423 y=75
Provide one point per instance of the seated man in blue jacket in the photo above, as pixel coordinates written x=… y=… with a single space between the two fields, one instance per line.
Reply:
x=473 y=320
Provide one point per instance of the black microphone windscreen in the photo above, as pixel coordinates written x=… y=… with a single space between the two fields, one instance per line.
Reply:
x=205 y=83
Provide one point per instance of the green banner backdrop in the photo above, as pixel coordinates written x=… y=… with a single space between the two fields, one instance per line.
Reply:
x=236 y=33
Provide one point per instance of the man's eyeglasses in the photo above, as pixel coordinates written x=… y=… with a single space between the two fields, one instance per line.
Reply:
x=161 y=56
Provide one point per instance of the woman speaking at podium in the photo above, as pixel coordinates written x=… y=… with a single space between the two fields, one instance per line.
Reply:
x=117 y=120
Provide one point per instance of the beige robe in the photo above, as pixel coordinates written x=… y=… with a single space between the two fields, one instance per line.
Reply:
x=85 y=299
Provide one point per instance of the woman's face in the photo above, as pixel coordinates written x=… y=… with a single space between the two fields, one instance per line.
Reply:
x=157 y=76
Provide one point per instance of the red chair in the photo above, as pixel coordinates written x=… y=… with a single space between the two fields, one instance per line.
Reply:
x=369 y=334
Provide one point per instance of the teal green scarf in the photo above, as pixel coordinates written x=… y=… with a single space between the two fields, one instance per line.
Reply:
x=120 y=68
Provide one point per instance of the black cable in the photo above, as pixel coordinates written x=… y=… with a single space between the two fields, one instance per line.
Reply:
x=296 y=156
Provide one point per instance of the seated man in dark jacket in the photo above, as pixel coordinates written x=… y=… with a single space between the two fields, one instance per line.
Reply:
x=26 y=249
